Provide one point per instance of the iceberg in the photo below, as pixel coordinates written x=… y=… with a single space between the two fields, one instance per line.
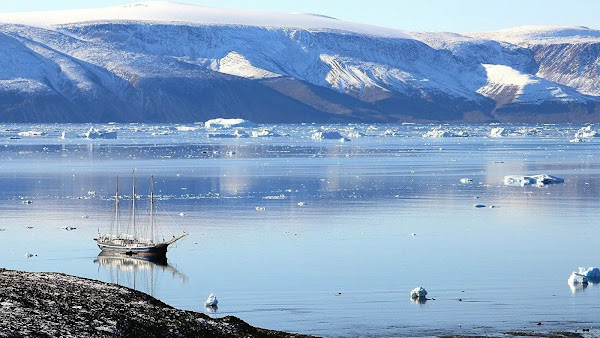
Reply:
x=228 y=123
x=577 y=279
x=439 y=132
x=592 y=274
x=211 y=301
x=99 y=134
x=264 y=133
x=328 y=135
x=586 y=133
x=32 y=133
x=418 y=293
x=499 y=132
x=539 y=180
x=186 y=128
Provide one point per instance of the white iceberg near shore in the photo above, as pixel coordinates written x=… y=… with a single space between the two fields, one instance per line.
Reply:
x=211 y=301
x=540 y=180
x=586 y=132
x=228 y=123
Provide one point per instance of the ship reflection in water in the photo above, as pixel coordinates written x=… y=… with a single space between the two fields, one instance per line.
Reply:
x=139 y=273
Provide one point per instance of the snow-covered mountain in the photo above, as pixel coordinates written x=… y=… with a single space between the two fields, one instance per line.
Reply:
x=162 y=61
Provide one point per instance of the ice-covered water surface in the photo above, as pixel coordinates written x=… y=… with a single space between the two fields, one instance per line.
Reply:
x=321 y=236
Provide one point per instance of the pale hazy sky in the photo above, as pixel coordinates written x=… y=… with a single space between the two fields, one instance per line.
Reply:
x=429 y=15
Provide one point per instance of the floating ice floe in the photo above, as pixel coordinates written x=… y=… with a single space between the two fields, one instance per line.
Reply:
x=328 y=135
x=32 y=133
x=228 y=123
x=439 y=132
x=186 y=128
x=499 y=132
x=264 y=133
x=539 y=180
x=261 y=208
x=220 y=135
x=584 y=134
x=466 y=180
x=301 y=204
x=211 y=301
x=93 y=133
x=355 y=134
x=418 y=293
x=240 y=134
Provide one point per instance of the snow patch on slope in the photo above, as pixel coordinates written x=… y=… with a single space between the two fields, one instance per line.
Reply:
x=236 y=64
x=508 y=85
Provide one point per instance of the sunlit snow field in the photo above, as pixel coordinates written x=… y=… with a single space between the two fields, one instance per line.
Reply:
x=385 y=212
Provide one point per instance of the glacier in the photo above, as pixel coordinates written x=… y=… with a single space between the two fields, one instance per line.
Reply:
x=170 y=62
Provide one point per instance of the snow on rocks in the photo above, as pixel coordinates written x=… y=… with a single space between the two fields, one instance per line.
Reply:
x=418 y=293
x=220 y=123
x=539 y=180
x=328 y=135
x=211 y=301
x=439 y=132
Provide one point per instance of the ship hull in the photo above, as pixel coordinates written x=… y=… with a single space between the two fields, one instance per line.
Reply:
x=150 y=250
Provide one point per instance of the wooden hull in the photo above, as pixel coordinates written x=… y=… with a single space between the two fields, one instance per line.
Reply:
x=149 y=250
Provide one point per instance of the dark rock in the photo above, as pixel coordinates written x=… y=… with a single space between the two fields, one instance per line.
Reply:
x=54 y=304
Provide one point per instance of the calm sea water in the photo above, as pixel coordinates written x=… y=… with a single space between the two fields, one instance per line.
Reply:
x=383 y=214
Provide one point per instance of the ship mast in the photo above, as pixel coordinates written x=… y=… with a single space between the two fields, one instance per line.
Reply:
x=133 y=198
x=152 y=209
x=117 y=207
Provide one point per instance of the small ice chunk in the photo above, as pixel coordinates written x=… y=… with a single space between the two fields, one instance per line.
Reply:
x=543 y=179
x=186 y=128
x=240 y=133
x=301 y=204
x=261 y=208
x=93 y=133
x=228 y=123
x=586 y=133
x=32 y=133
x=439 y=132
x=466 y=180
x=592 y=274
x=577 y=279
x=418 y=293
x=499 y=132
x=264 y=133
x=182 y=214
x=328 y=135
x=211 y=301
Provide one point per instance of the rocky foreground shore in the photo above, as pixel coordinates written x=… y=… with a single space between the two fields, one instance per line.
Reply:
x=55 y=304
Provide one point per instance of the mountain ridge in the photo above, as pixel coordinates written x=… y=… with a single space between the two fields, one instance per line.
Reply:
x=66 y=68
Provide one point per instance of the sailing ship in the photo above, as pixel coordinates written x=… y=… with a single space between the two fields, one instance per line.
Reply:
x=134 y=243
